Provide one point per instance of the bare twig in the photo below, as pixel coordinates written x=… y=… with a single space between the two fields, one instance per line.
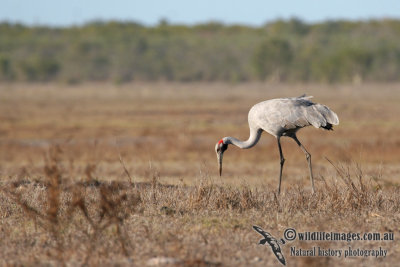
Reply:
x=131 y=181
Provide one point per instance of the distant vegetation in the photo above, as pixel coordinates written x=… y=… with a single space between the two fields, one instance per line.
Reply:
x=333 y=51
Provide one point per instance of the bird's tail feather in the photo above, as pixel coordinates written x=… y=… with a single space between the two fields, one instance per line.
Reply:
x=329 y=115
x=322 y=116
x=328 y=127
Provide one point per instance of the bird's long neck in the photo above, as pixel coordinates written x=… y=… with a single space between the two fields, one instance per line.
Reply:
x=255 y=134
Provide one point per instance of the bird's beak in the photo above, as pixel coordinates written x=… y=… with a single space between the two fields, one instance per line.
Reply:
x=220 y=155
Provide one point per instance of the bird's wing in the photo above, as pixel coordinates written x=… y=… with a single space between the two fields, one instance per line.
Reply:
x=277 y=114
x=280 y=114
x=301 y=112
x=293 y=112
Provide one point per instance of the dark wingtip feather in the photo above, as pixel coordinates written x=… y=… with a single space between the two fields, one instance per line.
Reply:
x=328 y=127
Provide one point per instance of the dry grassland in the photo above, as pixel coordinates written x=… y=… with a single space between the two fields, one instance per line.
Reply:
x=127 y=175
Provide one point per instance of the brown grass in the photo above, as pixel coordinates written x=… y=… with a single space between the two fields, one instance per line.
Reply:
x=103 y=175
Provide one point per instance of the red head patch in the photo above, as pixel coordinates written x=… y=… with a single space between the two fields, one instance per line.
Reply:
x=220 y=141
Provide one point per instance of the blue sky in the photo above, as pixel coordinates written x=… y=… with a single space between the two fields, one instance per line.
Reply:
x=149 y=12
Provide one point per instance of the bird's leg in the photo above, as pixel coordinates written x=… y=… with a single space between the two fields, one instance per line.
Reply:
x=282 y=162
x=308 y=157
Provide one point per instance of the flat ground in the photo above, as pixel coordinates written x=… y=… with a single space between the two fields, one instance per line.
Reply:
x=127 y=175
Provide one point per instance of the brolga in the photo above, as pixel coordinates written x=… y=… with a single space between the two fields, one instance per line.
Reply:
x=282 y=117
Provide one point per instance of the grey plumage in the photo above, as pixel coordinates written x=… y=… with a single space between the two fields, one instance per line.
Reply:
x=282 y=117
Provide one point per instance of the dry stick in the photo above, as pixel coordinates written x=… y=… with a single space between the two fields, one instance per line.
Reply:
x=336 y=168
x=348 y=181
x=131 y=181
x=101 y=224
x=78 y=202
x=122 y=239
x=110 y=209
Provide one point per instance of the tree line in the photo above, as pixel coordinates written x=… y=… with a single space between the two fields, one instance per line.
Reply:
x=283 y=50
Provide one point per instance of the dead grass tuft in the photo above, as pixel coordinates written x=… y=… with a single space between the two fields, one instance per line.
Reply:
x=103 y=206
x=84 y=214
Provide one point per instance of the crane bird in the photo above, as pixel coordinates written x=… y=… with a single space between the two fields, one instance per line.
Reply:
x=282 y=117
